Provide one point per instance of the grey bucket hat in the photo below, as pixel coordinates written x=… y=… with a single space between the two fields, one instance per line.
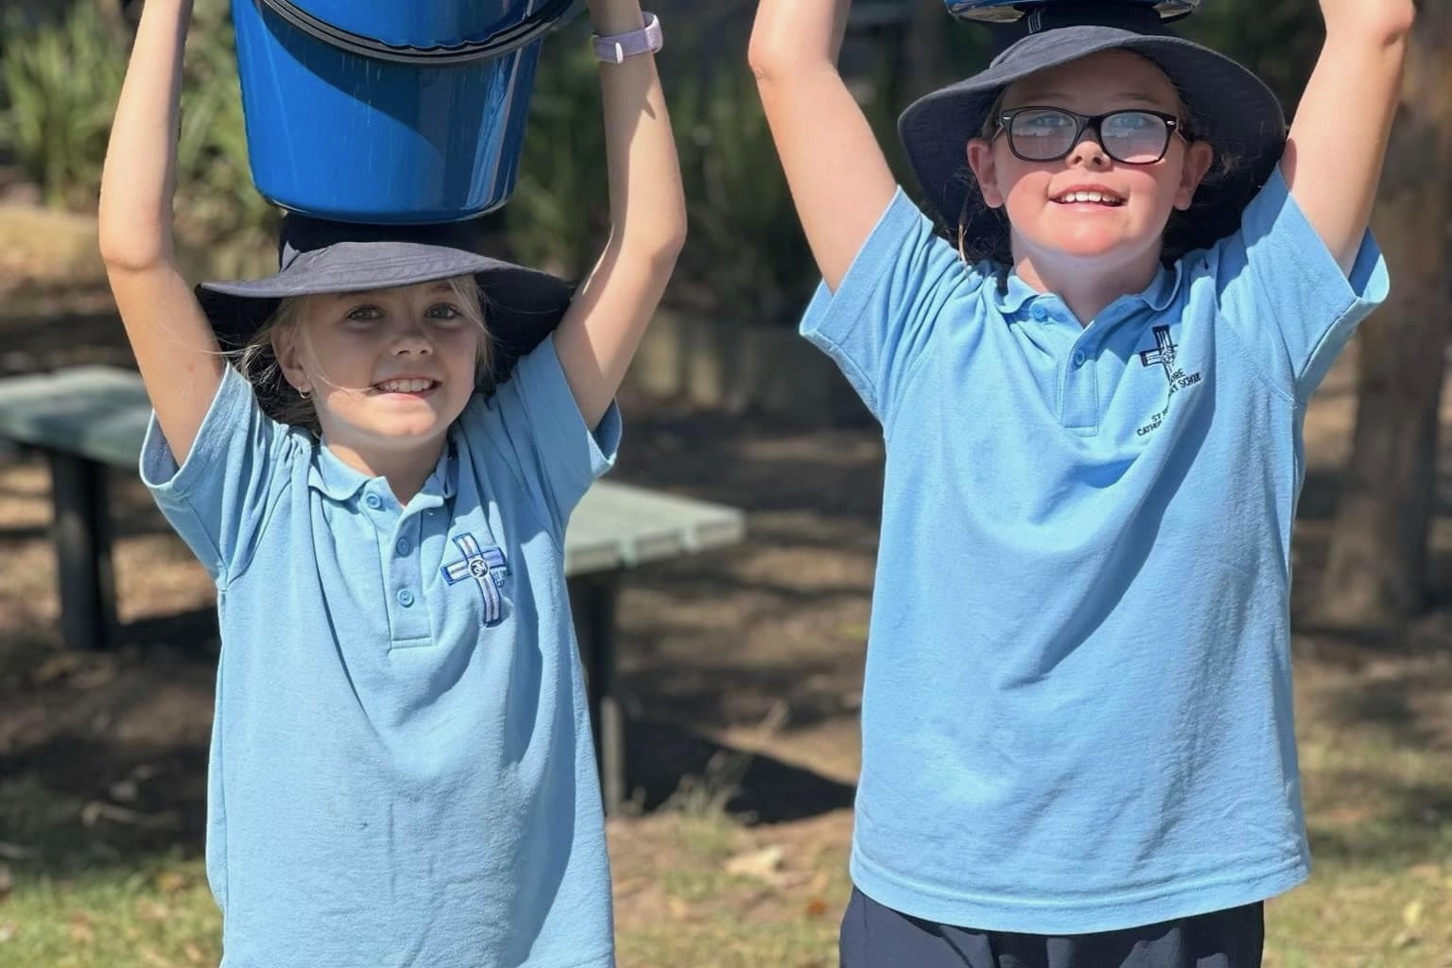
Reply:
x=521 y=306
x=1230 y=108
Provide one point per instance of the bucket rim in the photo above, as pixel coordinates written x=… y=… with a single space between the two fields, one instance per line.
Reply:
x=533 y=27
x=1011 y=11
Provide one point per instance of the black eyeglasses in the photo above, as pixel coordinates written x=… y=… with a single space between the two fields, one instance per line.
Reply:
x=1048 y=134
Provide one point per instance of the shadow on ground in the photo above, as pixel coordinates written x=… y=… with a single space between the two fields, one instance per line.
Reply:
x=670 y=766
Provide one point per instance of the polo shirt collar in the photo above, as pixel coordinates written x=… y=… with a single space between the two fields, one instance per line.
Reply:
x=1011 y=293
x=333 y=478
x=328 y=475
x=1163 y=288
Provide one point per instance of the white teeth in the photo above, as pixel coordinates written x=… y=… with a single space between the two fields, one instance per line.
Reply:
x=405 y=386
x=1094 y=197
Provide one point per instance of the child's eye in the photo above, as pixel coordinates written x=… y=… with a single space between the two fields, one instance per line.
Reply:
x=1044 y=122
x=363 y=314
x=445 y=312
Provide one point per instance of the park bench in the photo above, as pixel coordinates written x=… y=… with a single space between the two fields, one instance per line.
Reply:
x=86 y=418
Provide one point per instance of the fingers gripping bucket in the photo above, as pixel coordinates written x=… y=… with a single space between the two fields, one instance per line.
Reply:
x=391 y=111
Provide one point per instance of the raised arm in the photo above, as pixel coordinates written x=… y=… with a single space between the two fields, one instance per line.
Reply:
x=838 y=175
x=1339 y=136
x=599 y=335
x=173 y=342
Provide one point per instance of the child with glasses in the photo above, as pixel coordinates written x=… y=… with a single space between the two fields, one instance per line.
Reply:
x=401 y=767
x=1091 y=360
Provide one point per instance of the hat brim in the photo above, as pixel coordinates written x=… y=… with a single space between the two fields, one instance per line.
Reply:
x=1231 y=108
x=521 y=306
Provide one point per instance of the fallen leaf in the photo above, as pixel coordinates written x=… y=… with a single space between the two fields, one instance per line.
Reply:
x=1405 y=939
x=96 y=811
x=8 y=932
x=56 y=668
x=94 y=678
x=193 y=953
x=1412 y=913
x=679 y=909
x=816 y=908
x=763 y=864
x=124 y=791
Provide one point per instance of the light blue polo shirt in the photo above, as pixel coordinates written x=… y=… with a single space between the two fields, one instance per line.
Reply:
x=1077 y=710
x=401 y=769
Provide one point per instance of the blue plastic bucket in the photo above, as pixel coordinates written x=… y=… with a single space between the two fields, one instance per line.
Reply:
x=391 y=111
x=1007 y=11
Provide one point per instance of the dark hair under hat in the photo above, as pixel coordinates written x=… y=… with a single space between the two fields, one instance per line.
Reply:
x=521 y=306
x=1230 y=108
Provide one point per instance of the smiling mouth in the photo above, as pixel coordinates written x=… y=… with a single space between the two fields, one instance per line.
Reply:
x=1090 y=198
x=410 y=386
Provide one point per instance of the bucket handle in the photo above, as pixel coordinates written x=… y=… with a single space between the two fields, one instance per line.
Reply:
x=526 y=31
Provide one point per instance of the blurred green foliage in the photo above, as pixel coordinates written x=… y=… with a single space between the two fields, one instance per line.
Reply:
x=215 y=197
x=56 y=114
x=60 y=77
x=745 y=257
x=558 y=213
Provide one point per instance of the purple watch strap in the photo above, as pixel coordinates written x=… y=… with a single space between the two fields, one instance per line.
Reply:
x=615 y=48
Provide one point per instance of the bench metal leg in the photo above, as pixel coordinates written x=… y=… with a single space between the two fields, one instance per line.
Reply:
x=592 y=599
x=82 y=537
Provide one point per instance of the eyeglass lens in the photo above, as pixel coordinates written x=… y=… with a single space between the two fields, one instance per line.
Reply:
x=1131 y=137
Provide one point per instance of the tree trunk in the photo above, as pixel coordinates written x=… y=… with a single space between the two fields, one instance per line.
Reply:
x=1376 y=570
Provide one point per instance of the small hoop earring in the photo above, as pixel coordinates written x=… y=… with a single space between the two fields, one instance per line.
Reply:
x=304 y=393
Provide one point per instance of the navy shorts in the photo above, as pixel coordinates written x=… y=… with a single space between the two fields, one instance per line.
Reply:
x=874 y=936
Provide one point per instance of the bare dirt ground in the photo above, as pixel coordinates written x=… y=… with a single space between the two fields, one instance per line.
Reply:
x=741 y=669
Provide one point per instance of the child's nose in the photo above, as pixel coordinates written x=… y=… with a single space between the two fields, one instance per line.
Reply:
x=1089 y=151
x=413 y=338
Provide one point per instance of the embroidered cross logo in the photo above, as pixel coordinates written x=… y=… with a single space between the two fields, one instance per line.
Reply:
x=487 y=567
x=1163 y=353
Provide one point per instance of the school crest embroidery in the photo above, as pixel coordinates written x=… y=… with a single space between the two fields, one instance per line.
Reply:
x=488 y=568
x=1166 y=355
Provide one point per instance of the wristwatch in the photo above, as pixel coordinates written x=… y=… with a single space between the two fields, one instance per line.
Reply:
x=615 y=48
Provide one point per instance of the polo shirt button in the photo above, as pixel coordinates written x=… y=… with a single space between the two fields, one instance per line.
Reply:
x=1039 y=313
x=373 y=501
x=1080 y=358
x=403 y=546
x=405 y=597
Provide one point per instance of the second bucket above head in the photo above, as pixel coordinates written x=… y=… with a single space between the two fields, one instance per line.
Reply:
x=1009 y=11
x=388 y=111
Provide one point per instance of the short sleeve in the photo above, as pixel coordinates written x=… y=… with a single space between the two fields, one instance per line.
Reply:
x=879 y=322
x=1281 y=291
x=219 y=498
x=545 y=436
